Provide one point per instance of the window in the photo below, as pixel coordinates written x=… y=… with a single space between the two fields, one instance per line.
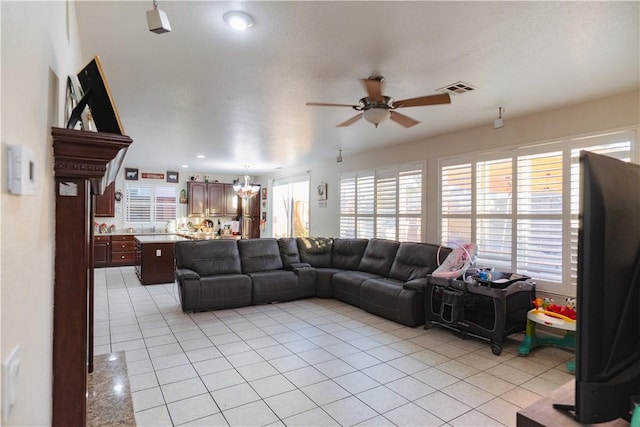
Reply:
x=290 y=198
x=147 y=203
x=521 y=206
x=383 y=203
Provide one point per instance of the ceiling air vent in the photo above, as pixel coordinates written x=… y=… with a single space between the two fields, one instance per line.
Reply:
x=457 y=88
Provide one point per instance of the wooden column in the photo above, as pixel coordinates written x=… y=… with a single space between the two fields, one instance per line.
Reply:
x=82 y=159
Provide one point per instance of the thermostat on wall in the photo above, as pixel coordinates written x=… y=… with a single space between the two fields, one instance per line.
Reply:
x=22 y=174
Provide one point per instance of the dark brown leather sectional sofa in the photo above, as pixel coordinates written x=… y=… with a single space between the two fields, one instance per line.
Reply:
x=383 y=277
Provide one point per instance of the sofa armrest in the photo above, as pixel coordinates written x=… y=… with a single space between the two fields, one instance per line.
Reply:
x=419 y=284
x=295 y=266
x=186 y=274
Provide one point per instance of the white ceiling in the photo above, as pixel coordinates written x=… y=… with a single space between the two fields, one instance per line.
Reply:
x=239 y=97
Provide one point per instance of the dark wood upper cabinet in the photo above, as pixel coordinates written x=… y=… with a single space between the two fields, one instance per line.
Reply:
x=197 y=198
x=105 y=203
x=232 y=201
x=215 y=200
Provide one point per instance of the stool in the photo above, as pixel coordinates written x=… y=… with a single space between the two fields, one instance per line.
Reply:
x=531 y=340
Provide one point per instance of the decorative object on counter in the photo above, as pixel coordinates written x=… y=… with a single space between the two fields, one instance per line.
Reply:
x=112 y=228
x=118 y=195
x=171 y=226
x=151 y=175
x=103 y=228
x=183 y=196
x=172 y=177
x=246 y=190
x=130 y=174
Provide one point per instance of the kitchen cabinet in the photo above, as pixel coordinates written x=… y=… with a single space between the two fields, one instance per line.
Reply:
x=154 y=257
x=101 y=251
x=104 y=205
x=211 y=199
x=231 y=201
x=114 y=250
x=123 y=250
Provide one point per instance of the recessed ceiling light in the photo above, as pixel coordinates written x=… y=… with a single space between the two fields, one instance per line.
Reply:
x=200 y=156
x=237 y=20
x=185 y=166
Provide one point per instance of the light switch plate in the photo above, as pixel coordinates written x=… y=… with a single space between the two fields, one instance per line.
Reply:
x=21 y=169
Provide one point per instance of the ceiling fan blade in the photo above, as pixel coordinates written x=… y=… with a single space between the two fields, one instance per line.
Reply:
x=374 y=88
x=442 y=98
x=324 y=104
x=403 y=120
x=349 y=122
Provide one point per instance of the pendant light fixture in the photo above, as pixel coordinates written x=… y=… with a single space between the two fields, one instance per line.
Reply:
x=246 y=190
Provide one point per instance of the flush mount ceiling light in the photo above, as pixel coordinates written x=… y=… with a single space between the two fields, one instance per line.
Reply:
x=237 y=20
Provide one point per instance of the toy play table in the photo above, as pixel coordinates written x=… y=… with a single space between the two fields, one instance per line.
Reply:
x=531 y=340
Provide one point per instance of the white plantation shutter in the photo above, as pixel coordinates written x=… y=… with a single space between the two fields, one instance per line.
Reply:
x=521 y=206
x=146 y=203
x=386 y=203
x=455 y=202
x=618 y=150
x=410 y=204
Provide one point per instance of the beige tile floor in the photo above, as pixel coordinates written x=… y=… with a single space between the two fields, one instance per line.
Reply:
x=313 y=362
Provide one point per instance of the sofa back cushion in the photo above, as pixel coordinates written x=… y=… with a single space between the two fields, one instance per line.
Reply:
x=315 y=250
x=259 y=255
x=347 y=253
x=415 y=260
x=208 y=257
x=378 y=256
x=288 y=251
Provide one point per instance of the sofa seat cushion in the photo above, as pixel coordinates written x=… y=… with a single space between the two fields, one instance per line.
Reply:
x=274 y=286
x=387 y=298
x=224 y=291
x=346 y=285
x=324 y=281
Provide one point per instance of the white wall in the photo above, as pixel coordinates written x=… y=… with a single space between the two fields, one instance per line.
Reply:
x=617 y=111
x=39 y=49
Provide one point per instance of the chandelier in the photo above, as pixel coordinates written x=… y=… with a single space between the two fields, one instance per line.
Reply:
x=246 y=190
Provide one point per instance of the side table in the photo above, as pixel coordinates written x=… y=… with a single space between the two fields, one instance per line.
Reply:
x=542 y=317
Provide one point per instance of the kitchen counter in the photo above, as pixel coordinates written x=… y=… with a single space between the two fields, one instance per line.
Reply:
x=155 y=258
x=159 y=238
x=195 y=235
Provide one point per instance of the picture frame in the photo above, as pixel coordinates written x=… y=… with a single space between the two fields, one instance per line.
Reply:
x=321 y=191
x=130 y=174
x=264 y=193
x=172 y=177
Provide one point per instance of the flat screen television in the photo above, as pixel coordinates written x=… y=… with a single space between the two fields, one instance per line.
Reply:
x=608 y=293
x=95 y=93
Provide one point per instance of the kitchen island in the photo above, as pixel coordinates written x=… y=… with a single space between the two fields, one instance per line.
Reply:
x=155 y=258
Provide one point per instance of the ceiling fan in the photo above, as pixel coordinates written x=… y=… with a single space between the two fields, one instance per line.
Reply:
x=376 y=108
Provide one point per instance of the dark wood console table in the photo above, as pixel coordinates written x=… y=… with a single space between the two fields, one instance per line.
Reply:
x=542 y=413
x=81 y=160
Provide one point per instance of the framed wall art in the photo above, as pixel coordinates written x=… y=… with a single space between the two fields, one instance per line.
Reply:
x=321 y=191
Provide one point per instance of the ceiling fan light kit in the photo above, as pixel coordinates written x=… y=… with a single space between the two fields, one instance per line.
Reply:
x=238 y=20
x=376 y=108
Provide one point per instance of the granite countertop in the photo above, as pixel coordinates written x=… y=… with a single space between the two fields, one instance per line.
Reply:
x=161 y=238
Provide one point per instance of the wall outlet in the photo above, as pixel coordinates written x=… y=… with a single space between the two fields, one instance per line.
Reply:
x=158 y=252
x=10 y=370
